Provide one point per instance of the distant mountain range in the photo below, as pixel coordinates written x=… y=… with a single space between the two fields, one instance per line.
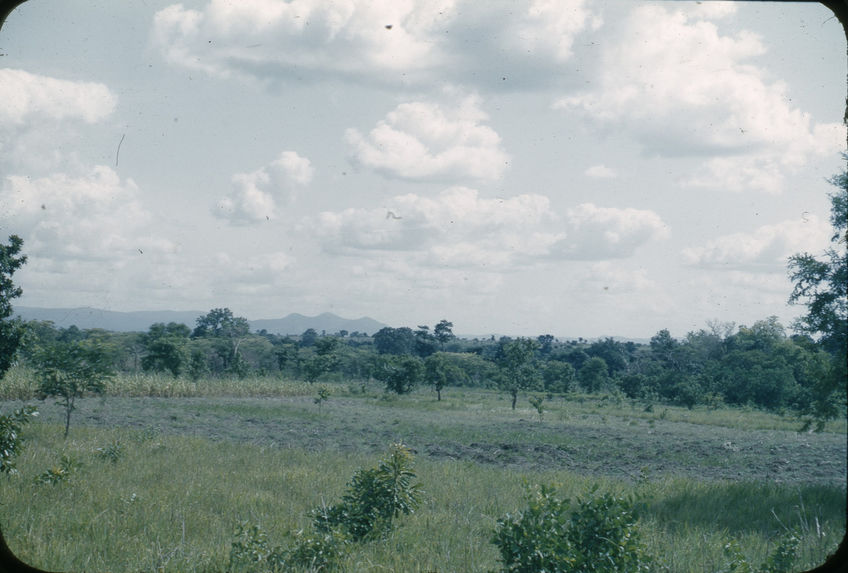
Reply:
x=140 y=321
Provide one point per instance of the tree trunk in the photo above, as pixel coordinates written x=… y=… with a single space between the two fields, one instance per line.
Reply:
x=438 y=395
x=514 y=398
x=69 y=405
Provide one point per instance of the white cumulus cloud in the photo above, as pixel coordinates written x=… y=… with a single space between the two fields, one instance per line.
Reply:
x=601 y=172
x=254 y=195
x=608 y=232
x=29 y=97
x=260 y=37
x=426 y=140
x=96 y=216
x=387 y=41
x=40 y=117
x=682 y=87
x=765 y=248
x=458 y=227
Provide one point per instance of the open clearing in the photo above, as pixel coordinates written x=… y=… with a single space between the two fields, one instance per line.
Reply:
x=193 y=468
x=590 y=438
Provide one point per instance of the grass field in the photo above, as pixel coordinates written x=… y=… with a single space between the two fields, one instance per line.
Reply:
x=191 y=468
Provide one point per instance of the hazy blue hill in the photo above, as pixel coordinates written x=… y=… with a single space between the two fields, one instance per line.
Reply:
x=297 y=323
x=87 y=317
x=140 y=321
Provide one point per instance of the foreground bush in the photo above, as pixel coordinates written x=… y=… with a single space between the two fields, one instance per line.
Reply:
x=374 y=498
x=600 y=535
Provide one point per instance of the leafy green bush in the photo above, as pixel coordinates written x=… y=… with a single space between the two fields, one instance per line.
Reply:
x=317 y=552
x=373 y=499
x=250 y=551
x=534 y=539
x=600 y=535
x=538 y=402
x=10 y=436
x=781 y=559
x=113 y=452
x=59 y=473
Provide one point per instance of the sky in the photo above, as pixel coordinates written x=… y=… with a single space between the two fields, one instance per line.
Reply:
x=574 y=167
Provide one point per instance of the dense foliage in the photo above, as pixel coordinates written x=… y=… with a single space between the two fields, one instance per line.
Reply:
x=11 y=330
x=375 y=497
x=599 y=535
x=821 y=284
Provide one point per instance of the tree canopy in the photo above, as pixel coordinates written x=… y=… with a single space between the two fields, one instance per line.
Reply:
x=11 y=330
x=821 y=284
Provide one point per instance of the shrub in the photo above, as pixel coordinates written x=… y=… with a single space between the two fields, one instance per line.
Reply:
x=534 y=539
x=538 y=402
x=113 y=452
x=250 y=551
x=10 y=436
x=58 y=474
x=317 y=552
x=781 y=559
x=599 y=536
x=373 y=499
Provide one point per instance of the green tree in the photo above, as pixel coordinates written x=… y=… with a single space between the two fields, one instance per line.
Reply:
x=227 y=332
x=546 y=343
x=425 y=343
x=516 y=366
x=558 y=376
x=67 y=370
x=390 y=340
x=309 y=337
x=400 y=374
x=594 y=374
x=11 y=335
x=11 y=330
x=439 y=372
x=165 y=347
x=821 y=284
x=323 y=360
x=443 y=332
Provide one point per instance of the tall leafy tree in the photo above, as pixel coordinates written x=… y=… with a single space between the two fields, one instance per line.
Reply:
x=821 y=284
x=390 y=340
x=515 y=360
x=166 y=348
x=443 y=332
x=227 y=332
x=400 y=374
x=438 y=373
x=11 y=330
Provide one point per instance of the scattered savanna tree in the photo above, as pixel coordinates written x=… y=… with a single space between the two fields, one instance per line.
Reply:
x=515 y=360
x=439 y=372
x=821 y=284
x=69 y=370
x=400 y=374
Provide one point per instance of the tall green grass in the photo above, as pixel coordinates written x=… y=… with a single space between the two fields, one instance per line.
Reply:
x=171 y=503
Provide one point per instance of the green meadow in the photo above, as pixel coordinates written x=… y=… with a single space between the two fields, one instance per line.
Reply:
x=157 y=474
